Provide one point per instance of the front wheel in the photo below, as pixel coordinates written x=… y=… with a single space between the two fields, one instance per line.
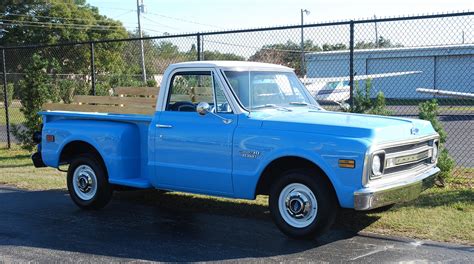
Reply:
x=302 y=204
x=87 y=183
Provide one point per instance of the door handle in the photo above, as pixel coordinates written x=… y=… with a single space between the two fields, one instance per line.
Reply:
x=163 y=126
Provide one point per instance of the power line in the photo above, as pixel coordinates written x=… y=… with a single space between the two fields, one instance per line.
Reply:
x=62 y=24
x=49 y=17
x=57 y=26
x=251 y=47
x=66 y=18
x=43 y=2
x=43 y=24
x=183 y=20
x=120 y=15
x=153 y=30
x=127 y=11
x=159 y=24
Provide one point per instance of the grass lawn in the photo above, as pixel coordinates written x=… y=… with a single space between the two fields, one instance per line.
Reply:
x=15 y=115
x=16 y=168
x=440 y=214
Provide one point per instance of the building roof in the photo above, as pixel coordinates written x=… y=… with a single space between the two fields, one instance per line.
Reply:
x=447 y=50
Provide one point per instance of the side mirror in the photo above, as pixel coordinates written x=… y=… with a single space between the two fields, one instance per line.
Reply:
x=203 y=108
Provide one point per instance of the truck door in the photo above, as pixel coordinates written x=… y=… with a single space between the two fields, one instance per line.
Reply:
x=193 y=152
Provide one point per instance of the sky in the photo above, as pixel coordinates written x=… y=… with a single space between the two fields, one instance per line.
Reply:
x=186 y=16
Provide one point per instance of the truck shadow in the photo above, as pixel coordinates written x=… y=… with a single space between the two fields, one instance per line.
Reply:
x=135 y=225
x=348 y=220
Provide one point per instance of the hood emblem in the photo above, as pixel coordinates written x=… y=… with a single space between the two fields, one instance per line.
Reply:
x=414 y=130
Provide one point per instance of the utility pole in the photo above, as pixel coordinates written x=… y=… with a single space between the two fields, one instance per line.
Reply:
x=202 y=48
x=303 y=71
x=376 y=33
x=141 y=9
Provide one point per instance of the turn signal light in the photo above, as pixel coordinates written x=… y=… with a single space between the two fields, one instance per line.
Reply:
x=347 y=163
x=49 y=138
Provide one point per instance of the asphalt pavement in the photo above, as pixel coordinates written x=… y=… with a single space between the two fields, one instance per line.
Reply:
x=45 y=226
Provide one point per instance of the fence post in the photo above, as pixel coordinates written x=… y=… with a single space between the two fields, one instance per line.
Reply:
x=5 y=97
x=351 y=62
x=198 y=39
x=92 y=68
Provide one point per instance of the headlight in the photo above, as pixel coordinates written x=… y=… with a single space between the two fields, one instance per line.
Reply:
x=377 y=164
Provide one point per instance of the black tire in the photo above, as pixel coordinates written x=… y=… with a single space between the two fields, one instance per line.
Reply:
x=104 y=190
x=327 y=205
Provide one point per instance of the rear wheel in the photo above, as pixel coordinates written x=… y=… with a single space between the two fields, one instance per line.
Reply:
x=87 y=183
x=302 y=204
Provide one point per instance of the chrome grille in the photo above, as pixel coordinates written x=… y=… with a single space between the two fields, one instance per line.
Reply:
x=407 y=166
x=407 y=147
x=408 y=157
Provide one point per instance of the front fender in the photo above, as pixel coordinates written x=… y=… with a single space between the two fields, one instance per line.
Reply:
x=322 y=150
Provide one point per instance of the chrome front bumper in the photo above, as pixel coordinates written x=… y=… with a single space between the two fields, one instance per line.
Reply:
x=385 y=194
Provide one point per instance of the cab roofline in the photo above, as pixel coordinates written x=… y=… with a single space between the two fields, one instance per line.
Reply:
x=234 y=65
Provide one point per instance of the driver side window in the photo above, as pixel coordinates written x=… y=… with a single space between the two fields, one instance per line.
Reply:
x=188 y=89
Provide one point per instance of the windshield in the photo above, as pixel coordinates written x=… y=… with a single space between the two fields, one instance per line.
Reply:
x=261 y=89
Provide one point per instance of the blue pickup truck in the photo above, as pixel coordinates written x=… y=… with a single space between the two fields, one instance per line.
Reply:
x=238 y=130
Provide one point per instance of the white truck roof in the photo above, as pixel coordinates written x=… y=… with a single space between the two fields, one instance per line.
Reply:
x=235 y=65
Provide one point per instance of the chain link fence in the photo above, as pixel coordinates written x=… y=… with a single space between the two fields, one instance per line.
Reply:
x=339 y=62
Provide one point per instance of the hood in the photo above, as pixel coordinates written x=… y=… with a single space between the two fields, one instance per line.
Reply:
x=376 y=128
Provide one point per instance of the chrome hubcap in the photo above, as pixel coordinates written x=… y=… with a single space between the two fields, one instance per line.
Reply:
x=84 y=182
x=297 y=205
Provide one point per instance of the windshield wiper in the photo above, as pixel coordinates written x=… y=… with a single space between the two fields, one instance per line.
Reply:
x=305 y=104
x=272 y=106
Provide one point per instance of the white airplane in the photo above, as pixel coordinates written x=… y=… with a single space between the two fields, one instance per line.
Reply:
x=337 y=89
x=446 y=93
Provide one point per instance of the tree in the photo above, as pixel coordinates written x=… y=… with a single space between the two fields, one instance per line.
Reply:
x=216 y=55
x=55 y=21
x=429 y=111
x=31 y=22
x=381 y=43
x=34 y=91
x=366 y=105
x=288 y=54
x=331 y=47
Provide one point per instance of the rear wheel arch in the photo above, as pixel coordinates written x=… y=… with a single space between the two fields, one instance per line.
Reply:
x=280 y=165
x=77 y=148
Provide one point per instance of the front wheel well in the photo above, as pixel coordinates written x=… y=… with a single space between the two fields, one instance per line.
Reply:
x=77 y=148
x=280 y=165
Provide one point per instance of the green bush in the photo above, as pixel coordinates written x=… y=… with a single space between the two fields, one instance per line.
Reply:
x=36 y=88
x=378 y=106
x=446 y=164
x=102 y=88
x=10 y=91
x=66 y=90
x=151 y=83
x=365 y=105
x=429 y=111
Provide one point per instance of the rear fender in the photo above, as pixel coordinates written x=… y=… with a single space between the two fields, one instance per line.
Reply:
x=117 y=143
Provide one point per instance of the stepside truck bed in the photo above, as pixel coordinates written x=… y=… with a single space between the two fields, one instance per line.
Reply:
x=120 y=139
x=115 y=126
